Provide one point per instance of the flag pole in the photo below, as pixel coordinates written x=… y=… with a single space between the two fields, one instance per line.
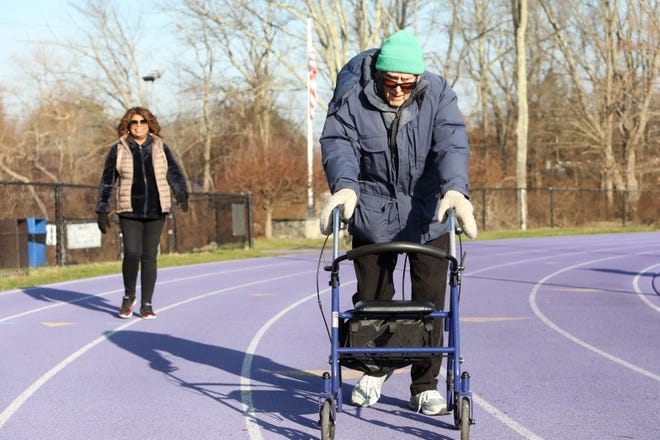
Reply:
x=310 y=115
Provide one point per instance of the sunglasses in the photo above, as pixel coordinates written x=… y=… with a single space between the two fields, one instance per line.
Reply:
x=391 y=84
x=136 y=122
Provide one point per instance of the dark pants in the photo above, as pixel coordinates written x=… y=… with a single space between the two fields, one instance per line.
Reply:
x=428 y=276
x=140 y=238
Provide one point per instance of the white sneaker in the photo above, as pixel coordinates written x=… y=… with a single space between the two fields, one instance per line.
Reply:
x=430 y=403
x=367 y=390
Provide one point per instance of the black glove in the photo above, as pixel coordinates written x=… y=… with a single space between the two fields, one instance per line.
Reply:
x=103 y=222
x=183 y=201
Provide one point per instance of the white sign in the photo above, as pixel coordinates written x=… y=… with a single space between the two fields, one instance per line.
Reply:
x=51 y=235
x=83 y=236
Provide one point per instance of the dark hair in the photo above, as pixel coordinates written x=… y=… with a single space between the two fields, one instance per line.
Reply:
x=125 y=121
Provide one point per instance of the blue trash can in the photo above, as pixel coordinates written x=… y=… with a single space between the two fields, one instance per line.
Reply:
x=36 y=230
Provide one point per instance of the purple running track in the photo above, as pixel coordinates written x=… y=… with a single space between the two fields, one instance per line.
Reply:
x=560 y=337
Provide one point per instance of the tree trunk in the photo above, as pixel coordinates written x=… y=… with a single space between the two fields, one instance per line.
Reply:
x=268 y=224
x=520 y=25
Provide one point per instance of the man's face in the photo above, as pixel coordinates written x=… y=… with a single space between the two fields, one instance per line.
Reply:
x=398 y=87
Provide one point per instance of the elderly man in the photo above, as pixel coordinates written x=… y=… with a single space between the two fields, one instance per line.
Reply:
x=395 y=153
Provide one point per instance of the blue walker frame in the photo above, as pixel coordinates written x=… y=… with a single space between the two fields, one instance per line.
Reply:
x=459 y=396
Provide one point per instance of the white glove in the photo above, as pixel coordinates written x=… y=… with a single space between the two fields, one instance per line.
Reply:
x=463 y=209
x=347 y=199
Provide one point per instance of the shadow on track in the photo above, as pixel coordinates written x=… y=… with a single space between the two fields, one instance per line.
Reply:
x=380 y=419
x=85 y=300
x=279 y=392
x=284 y=398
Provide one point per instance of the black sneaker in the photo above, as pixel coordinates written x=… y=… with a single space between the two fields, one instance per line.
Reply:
x=147 y=312
x=126 y=309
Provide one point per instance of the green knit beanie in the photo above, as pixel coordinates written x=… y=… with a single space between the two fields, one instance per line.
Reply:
x=401 y=53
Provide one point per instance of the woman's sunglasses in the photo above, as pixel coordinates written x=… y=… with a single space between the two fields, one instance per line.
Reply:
x=391 y=84
x=136 y=122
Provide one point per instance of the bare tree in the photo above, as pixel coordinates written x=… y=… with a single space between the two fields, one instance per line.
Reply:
x=244 y=33
x=47 y=146
x=109 y=46
x=640 y=43
x=343 y=28
x=519 y=8
x=483 y=60
x=198 y=34
x=56 y=120
x=251 y=168
x=612 y=78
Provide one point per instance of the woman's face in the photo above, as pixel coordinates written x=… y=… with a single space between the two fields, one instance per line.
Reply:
x=138 y=127
x=398 y=87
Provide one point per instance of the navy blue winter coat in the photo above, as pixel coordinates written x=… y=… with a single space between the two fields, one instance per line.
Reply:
x=399 y=181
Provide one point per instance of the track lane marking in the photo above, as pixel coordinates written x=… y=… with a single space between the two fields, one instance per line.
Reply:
x=14 y=406
x=573 y=338
x=493 y=319
x=246 y=392
x=639 y=292
x=35 y=386
x=252 y=423
x=110 y=292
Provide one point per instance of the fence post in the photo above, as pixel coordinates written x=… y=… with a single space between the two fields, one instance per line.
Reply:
x=483 y=209
x=624 y=206
x=59 y=226
x=170 y=233
x=216 y=209
x=250 y=231
x=175 y=234
x=552 y=207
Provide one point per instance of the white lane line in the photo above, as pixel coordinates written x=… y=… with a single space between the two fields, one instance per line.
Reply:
x=639 y=292
x=62 y=283
x=246 y=386
x=571 y=337
x=25 y=395
x=160 y=271
x=499 y=415
x=251 y=421
x=109 y=292
x=18 y=402
x=34 y=387
x=508 y=421
x=58 y=304
x=563 y=255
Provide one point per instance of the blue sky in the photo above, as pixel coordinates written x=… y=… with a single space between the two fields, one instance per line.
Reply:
x=22 y=23
x=25 y=23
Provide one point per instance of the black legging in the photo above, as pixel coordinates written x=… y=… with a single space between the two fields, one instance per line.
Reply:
x=140 y=238
x=428 y=276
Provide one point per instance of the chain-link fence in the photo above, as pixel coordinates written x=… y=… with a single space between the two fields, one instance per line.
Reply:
x=55 y=224
x=496 y=208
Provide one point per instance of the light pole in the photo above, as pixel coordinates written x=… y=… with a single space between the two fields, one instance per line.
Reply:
x=152 y=77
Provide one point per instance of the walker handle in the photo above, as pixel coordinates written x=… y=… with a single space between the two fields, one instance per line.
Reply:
x=398 y=247
x=451 y=217
x=394 y=246
x=336 y=225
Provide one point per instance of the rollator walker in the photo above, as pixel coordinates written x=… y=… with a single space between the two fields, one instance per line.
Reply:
x=376 y=321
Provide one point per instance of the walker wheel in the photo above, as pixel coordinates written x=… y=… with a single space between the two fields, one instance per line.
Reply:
x=457 y=411
x=464 y=418
x=327 y=421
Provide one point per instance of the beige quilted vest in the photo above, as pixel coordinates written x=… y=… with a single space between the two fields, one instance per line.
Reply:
x=125 y=171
